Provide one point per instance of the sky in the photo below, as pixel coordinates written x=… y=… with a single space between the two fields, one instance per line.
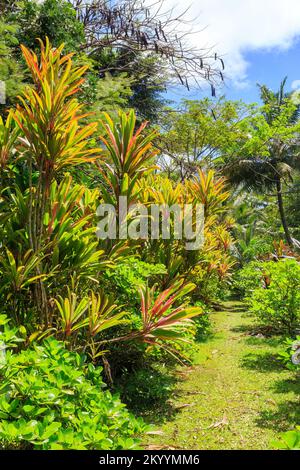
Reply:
x=259 y=41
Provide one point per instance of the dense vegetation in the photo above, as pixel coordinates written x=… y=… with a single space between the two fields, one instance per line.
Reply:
x=91 y=327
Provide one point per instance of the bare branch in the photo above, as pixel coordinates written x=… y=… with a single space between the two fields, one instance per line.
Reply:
x=146 y=28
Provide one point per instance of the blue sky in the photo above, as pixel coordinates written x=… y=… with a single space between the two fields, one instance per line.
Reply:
x=267 y=67
x=259 y=41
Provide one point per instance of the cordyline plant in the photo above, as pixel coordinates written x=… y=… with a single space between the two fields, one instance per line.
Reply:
x=16 y=275
x=163 y=318
x=129 y=154
x=103 y=313
x=97 y=312
x=8 y=135
x=70 y=232
x=92 y=315
x=49 y=119
x=72 y=313
x=209 y=191
x=160 y=190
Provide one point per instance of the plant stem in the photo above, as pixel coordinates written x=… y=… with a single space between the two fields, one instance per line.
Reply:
x=282 y=212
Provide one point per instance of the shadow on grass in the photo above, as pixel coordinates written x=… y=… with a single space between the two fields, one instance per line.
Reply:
x=157 y=415
x=168 y=410
x=148 y=392
x=245 y=329
x=264 y=362
x=203 y=338
x=287 y=386
x=286 y=417
x=269 y=336
x=232 y=304
x=238 y=309
x=271 y=342
x=234 y=309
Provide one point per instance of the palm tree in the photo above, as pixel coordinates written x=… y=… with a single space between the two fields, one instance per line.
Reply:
x=261 y=173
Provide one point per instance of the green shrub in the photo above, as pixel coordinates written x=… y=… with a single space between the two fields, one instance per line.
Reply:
x=50 y=399
x=289 y=440
x=9 y=337
x=210 y=288
x=249 y=278
x=278 y=304
x=203 y=327
x=291 y=358
x=291 y=355
x=130 y=274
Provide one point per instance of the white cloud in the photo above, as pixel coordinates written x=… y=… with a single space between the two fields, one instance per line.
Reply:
x=295 y=85
x=235 y=26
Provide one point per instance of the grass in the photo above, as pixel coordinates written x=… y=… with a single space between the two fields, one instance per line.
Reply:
x=236 y=396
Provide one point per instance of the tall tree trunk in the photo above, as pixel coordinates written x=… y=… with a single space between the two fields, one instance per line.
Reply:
x=282 y=212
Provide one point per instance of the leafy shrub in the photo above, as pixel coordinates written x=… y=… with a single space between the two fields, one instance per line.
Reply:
x=9 y=337
x=278 y=304
x=289 y=440
x=249 y=278
x=203 y=327
x=209 y=287
x=130 y=274
x=249 y=247
x=291 y=358
x=50 y=399
x=291 y=355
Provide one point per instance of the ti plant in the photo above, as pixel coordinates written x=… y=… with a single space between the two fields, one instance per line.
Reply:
x=71 y=243
x=209 y=191
x=161 y=191
x=92 y=314
x=8 y=135
x=129 y=154
x=16 y=276
x=165 y=318
x=103 y=314
x=72 y=313
x=48 y=114
x=49 y=117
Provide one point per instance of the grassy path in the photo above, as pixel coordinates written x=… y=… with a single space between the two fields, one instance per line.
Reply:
x=237 y=396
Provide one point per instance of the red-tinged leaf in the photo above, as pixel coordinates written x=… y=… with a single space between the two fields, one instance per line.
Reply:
x=160 y=299
x=143 y=305
x=163 y=308
x=179 y=316
x=164 y=295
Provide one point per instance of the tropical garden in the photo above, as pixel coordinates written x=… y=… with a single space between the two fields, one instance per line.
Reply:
x=110 y=343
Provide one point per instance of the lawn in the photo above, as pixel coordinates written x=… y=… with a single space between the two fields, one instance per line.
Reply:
x=236 y=396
